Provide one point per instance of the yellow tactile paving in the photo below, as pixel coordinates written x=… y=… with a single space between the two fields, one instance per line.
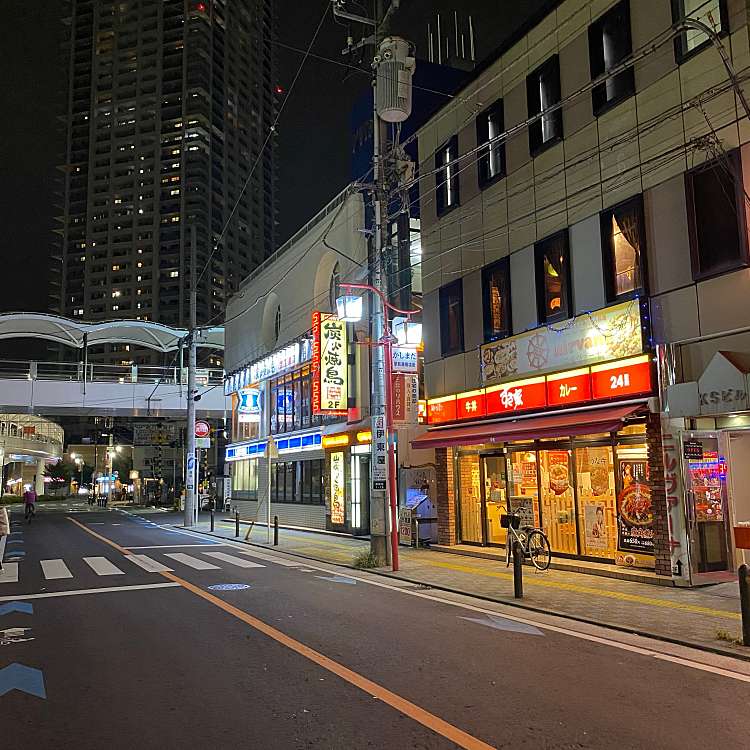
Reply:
x=621 y=595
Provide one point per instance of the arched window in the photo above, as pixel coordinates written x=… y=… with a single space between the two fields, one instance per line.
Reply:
x=277 y=323
x=333 y=289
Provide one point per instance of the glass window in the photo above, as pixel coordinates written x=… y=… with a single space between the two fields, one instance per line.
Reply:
x=452 y=318
x=297 y=401
x=713 y=13
x=558 y=503
x=542 y=92
x=470 y=499
x=291 y=494
x=623 y=244
x=446 y=176
x=496 y=300
x=523 y=486
x=491 y=161
x=716 y=223
x=609 y=45
x=317 y=487
x=597 y=513
x=553 y=278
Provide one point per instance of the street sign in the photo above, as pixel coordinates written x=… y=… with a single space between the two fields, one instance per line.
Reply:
x=202 y=429
x=203 y=442
x=190 y=479
x=379 y=468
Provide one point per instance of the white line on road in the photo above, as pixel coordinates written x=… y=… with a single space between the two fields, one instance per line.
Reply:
x=54 y=569
x=176 y=546
x=103 y=567
x=191 y=562
x=270 y=558
x=152 y=566
x=9 y=573
x=102 y=590
x=240 y=562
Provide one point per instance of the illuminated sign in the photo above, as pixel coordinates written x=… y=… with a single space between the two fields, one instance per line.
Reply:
x=246 y=450
x=335 y=441
x=337 y=488
x=611 y=333
x=275 y=363
x=571 y=387
x=330 y=365
x=470 y=405
x=520 y=395
x=404 y=359
x=625 y=378
x=441 y=409
x=365 y=436
x=249 y=401
x=310 y=442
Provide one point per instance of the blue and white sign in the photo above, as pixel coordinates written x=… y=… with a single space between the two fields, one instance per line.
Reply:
x=404 y=359
x=285 y=402
x=249 y=401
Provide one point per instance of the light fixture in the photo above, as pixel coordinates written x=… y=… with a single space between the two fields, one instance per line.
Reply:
x=349 y=308
x=406 y=331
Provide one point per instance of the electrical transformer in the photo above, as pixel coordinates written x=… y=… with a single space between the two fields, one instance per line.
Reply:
x=394 y=66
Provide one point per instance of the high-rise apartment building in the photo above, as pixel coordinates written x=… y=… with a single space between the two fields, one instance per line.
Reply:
x=169 y=103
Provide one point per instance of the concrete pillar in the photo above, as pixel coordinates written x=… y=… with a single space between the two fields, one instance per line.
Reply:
x=39 y=483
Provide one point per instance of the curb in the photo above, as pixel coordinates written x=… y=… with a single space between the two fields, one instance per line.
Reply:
x=510 y=603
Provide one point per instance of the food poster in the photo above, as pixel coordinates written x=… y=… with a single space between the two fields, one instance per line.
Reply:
x=558 y=513
x=635 y=517
x=596 y=500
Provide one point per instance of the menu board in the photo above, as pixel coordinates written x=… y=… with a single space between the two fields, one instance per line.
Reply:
x=635 y=517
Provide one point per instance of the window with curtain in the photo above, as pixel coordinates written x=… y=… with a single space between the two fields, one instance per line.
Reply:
x=553 y=278
x=496 y=300
x=446 y=176
x=542 y=92
x=609 y=45
x=491 y=162
x=713 y=13
x=716 y=217
x=623 y=249
x=451 y=318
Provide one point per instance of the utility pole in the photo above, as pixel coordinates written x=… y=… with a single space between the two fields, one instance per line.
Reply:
x=191 y=468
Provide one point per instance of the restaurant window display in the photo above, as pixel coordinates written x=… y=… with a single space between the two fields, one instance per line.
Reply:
x=470 y=499
x=597 y=506
x=558 y=499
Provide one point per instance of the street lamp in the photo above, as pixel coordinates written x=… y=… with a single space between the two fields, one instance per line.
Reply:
x=349 y=309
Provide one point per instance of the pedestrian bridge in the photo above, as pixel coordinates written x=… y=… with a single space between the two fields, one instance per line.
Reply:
x=87 y=389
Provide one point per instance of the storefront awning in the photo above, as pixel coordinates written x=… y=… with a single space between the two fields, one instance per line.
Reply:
x=583 y=422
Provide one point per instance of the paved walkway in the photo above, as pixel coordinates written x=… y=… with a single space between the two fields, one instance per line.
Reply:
x=707 y=616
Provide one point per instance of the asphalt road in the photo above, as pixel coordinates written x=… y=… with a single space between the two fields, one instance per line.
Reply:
x=308 y=656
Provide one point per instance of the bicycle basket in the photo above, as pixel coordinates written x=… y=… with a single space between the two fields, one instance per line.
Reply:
x=509 y=520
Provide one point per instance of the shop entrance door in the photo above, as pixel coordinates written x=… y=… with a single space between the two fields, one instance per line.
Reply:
x=494 y=493
x=706 y=485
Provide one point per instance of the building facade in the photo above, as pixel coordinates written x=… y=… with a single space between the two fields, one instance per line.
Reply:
x=302 y=437
x=169 y=104
x=585 y=276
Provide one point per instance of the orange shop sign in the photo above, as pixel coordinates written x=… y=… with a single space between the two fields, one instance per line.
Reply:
x=566 y=388
x=625 y=378
x=521 y=395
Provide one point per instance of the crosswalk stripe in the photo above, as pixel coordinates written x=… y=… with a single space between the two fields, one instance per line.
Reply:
x=54 y=569
x=103 y=567
x=148 y=564
x=238 y=561
x=9 y=573
x=270 y=558
x=191 y=562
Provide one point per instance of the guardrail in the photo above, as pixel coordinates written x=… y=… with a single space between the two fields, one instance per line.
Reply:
x=94 y=373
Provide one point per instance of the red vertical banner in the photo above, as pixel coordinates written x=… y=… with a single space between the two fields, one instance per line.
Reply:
x=399 y=397
x=316 y=362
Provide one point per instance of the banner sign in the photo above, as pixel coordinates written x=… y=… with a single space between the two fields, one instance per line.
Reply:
x=611 y=333
x=338 y=484
x=404 y=359
x=405 y=397
x=248 y=401
x=379 y=469
x=330 y=365
x=635 y=516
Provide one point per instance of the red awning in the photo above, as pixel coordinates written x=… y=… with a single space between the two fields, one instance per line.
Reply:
x=581 y=422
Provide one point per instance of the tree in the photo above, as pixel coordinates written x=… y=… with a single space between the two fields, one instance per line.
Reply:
x=62 y=471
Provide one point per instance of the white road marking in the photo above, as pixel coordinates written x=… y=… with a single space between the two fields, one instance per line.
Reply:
x=191 y=562
x=149 y=565
x=270 y=558
x=9 y=573
x=103 y=567
x=178 y=546
x=54 y=569
x=240 y=562
x=102 y=590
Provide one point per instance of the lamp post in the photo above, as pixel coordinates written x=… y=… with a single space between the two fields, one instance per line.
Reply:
x=349 y=309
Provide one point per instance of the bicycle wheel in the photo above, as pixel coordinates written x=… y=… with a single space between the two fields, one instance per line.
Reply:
x=539 y=550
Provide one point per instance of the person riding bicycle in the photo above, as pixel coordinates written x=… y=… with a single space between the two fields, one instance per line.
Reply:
x=29 y=501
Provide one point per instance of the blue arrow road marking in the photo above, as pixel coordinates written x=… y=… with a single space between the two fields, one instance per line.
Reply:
x=502 y=623
x=20 y=677
x=25 y=607
x=338 y=579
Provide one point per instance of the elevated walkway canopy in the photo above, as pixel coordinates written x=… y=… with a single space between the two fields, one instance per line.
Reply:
x=80 y=335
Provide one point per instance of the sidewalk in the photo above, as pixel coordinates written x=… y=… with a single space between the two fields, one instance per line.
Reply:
x=704 y=617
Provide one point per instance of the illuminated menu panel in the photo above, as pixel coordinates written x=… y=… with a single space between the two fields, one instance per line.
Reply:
x=628 y=377
x=572 y=387
x=470 y=405
x=519 y=396
x=441 y=410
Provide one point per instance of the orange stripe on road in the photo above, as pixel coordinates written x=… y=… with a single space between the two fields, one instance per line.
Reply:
x=406 y=707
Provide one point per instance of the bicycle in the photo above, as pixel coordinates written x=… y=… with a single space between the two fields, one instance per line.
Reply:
x=29 y=512
x=533 y=542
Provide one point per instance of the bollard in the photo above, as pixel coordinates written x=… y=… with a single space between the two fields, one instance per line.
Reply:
x=236 y=523
x=517 y=571
x=275 y=531
x=745 y=603
x=211 y=505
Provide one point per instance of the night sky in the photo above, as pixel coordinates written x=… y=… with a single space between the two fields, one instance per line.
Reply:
x=314 y=130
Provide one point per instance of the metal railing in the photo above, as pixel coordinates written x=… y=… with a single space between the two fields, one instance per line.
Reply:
x=95 y=373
